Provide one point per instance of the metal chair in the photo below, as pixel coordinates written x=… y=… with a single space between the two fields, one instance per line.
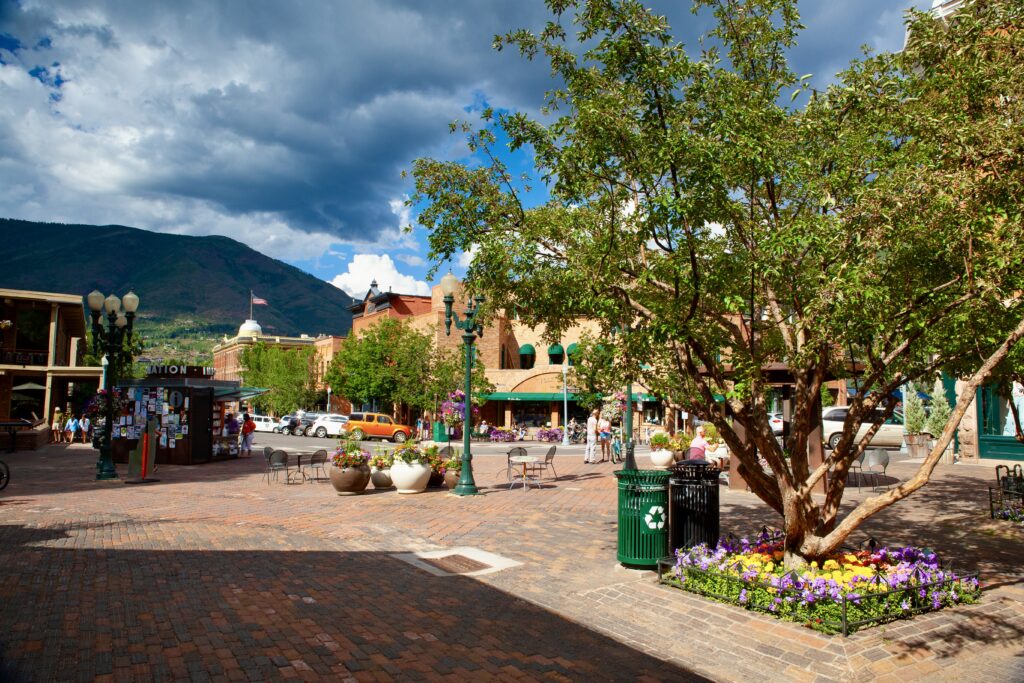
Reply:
x=316 y=462
x=267 y=450
x=276 y=463
x=512 y=452
x=547 y=463
x=858 y=467
x=879 y=457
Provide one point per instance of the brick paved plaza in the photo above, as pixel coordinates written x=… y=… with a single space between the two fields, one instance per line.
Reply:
x=211 y=574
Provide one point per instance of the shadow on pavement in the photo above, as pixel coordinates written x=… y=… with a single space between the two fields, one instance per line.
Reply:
x=270 y=614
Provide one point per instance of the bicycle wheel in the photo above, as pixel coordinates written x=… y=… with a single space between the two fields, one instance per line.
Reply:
x=5 y=475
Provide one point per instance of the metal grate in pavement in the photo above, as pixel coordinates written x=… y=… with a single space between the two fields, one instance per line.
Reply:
x=456 y=564
x=461 y=561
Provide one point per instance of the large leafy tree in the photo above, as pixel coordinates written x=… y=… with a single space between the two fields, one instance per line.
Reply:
x=399 y=366
x=286 y=373
x=870 y=231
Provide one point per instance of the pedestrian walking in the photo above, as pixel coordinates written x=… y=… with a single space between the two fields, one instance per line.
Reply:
x=84 y=425
x=69 y=429
x=588 y=453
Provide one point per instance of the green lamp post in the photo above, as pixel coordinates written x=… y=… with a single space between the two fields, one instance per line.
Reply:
x=470 y=331
x=111 y=341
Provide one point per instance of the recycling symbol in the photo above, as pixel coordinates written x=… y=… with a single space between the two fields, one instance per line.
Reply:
x=655 y=517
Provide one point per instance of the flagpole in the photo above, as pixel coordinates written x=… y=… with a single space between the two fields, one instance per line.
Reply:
x=250 y=305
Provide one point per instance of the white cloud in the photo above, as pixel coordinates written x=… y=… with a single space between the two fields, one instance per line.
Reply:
x=412 y=260
x=466 y=257
x=364 y=268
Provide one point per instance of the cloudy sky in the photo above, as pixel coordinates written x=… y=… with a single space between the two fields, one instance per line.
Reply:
x=285 y=125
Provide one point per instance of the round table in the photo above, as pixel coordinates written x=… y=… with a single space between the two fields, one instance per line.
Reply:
x=524 y=460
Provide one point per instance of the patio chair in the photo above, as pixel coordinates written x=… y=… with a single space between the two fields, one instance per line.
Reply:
x=276 y=463
x=858 y=467
x=267 y=450
x=317 y=462
x=512 y=452
x=548 y=463
x=879 y=457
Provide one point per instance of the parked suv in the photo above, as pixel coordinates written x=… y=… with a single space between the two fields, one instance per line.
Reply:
x=329 y=425
x=375 y=426
x=264 y=423
x=890 y=433
x=284 y=426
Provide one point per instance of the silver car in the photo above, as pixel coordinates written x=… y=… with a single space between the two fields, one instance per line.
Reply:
x=890 y=433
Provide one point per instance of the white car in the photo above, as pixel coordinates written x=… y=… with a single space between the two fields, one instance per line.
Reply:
x=264 y=423
x=890 y=433
x=328 y=425
x=775 y=420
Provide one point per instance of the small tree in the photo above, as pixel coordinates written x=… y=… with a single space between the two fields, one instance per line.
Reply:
x=940 y=412
x=914 y=410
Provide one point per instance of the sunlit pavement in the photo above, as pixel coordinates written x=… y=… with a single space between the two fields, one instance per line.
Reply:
x=214 y=574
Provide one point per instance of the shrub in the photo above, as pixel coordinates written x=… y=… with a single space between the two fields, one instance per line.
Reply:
x=940 y=412
x=914 y=410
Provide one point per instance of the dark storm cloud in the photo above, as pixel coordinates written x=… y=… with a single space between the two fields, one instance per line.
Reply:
x=301 y=113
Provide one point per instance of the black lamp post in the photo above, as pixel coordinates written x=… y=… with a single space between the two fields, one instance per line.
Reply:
x=470 y=331
x=111 y=341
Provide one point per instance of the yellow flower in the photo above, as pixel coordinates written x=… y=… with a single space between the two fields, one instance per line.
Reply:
x=830 y=565
x=814 y=565
x=769 y=567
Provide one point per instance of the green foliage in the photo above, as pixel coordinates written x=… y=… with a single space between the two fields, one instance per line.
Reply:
x=826 y=397
x=876 y=223
x=287 y=373
x=594 y=373
x=914 y=407
x=397 y=365
x=940 y=412
x=127 y=369
x=660 y=441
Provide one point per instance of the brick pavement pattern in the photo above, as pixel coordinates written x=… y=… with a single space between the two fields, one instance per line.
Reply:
x=214 y=575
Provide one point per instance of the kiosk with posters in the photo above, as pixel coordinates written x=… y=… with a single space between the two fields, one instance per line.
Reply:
x=188 y=406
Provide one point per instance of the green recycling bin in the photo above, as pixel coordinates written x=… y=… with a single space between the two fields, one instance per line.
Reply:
x=643 y=517
x=440 y=432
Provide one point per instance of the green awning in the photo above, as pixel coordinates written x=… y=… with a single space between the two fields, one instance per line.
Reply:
x=527 y=396
x=527 y=350
x=237 y=394
x=555 y=350
x=573 y=349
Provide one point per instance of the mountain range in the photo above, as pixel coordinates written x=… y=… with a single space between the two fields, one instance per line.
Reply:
x=198 y=282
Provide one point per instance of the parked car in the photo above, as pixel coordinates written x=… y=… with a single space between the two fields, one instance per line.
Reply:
x=264 y=423
x=775 y=420
x=376 y=426
x=285 y=424
x=890 y=433
x=329 y=425
x=305 y=426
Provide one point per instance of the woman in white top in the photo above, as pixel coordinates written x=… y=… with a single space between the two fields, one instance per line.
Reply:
x=604 y=430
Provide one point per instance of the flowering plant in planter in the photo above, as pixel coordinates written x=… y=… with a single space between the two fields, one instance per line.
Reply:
x=552 y=435
x=350 y=454
x=453 y=464
x=680 y=442
x=97 y=405
x=502 y=434
x=453 y=410
x=381 y=459
x=847 y=590
x=660 y=441
x=408 y=453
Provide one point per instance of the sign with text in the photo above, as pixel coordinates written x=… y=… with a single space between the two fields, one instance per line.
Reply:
x=196 y=371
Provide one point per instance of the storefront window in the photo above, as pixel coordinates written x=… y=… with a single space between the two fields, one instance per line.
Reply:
x=531 y=413
x=996 y=416
x=33 y=330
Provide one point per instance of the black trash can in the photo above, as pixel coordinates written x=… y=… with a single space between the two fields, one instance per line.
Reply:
x=693 y=505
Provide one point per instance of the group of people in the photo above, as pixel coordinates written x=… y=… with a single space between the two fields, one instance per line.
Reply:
x=599 y=431
x=68 y=429
x=247 y=430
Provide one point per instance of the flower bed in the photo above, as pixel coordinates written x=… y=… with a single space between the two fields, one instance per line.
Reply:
x=550 y=435
x=1006 y=504
x=502 y=434
x=850 y=590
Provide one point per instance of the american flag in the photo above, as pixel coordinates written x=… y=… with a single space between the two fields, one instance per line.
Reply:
x=256 y=301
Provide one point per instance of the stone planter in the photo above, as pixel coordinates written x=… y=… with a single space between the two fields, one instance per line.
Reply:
x=381 y=478
x=350 y=481
x=410 y=477
x=451 y=479
x=661 y=459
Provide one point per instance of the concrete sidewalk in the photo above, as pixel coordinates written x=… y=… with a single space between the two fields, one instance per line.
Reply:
x=212 y=574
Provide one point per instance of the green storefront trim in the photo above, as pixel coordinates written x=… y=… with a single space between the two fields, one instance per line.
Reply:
x=995 y=446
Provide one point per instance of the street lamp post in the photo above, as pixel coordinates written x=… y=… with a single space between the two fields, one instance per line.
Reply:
x=470 y=331
x=111 y=341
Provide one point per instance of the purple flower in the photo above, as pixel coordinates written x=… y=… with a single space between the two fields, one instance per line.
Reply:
x=905 y=605
x=743 y=596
